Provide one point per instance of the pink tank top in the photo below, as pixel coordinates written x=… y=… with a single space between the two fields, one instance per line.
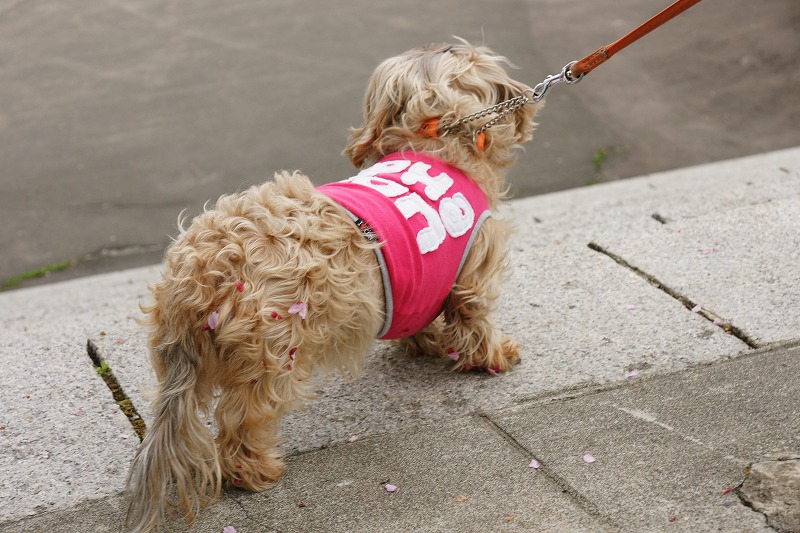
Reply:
x=425 y=214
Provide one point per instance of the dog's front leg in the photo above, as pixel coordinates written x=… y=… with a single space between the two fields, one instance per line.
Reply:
x=469 y=336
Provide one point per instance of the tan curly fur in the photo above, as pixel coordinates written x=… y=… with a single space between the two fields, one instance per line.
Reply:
x=283 y=242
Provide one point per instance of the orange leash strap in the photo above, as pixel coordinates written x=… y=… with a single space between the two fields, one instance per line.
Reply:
x=571 y=73
x=597 y=58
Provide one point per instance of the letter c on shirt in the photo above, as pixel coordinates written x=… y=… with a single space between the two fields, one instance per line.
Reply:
x=430 y=237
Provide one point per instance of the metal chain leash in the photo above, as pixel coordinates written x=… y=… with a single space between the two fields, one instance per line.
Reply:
x=507 y=107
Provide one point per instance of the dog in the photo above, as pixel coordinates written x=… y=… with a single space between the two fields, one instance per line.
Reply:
x=284 y=278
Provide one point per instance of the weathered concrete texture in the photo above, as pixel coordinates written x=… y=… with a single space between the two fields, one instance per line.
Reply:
x=552 y=306
x=678 y=442
x=773 y=488
x=583 y=215
x=341 y=490
x=721 y=226
x=669 y=443
x=751 y=248
x=63 y=439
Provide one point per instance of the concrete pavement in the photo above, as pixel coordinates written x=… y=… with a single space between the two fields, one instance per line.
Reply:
x=659 y=320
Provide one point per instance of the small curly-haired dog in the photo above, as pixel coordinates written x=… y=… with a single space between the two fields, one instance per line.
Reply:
x=283 y=278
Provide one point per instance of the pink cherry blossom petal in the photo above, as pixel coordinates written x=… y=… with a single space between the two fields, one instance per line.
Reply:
x=718 y=322
x=390 y=488
x=229 y=529
x=452 y=354
x=300 y=308
x=353 y=438
x=492 y=372
x=588 y=458
x=696 y=308
x=213 y=321
x=630 y=307
x=631 y=373
x=534 y=464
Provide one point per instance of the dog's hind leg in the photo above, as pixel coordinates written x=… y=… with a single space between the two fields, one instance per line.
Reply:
x=469 y=333
x=253 y=400
x=248 y=438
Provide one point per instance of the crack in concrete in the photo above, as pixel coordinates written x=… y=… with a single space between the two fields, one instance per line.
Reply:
x=566 y=488
x=240 y=504
x=761 y=496
x=689 y=304
x=738 y=491
x=125 y=404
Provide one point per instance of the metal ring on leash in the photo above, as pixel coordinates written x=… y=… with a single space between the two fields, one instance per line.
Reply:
x=554 y=79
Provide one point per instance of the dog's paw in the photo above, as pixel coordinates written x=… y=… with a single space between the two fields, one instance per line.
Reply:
x=508 y=354
x=501 y=358
x=255 y=476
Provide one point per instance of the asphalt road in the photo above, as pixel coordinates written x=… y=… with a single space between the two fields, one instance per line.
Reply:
x=115 y=116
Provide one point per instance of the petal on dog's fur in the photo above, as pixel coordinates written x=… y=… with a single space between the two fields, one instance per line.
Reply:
x=213 y=321
x=300 y=308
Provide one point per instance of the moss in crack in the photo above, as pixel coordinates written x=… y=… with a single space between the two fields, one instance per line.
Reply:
x=122 y=400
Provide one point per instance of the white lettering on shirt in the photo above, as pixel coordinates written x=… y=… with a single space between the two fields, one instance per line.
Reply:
x=455 y=216
x=430 y=237
x=435 y=186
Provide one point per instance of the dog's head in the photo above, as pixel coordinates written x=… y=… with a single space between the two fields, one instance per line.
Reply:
x=444 y=82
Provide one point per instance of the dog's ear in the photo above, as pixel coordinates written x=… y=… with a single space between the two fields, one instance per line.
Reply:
x=384 y=101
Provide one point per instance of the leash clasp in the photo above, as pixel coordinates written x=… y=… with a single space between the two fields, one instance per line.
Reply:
x=565 y=76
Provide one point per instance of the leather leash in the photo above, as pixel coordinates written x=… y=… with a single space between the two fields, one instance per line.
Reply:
x=597 y=58
x=576 y=70
x=571 y=73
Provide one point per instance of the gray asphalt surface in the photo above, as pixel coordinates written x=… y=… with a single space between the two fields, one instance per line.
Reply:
x=115 y=116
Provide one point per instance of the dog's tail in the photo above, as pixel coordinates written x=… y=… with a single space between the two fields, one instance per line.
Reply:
x=176 y=469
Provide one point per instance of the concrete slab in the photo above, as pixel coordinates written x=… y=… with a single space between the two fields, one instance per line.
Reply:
x=581 y=215
x=667 y=449
x=582 y=319
x=446 y=482
x=751 y=248
x=63 y=439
